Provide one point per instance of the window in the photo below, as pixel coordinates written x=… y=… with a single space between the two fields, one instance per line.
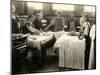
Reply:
x=63 y=7
x=37 y=6
x=89 y=8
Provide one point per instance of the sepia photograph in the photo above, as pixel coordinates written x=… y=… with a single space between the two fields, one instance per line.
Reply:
x=52 y=37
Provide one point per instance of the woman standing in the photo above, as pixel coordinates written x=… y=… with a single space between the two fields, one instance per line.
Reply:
x=15 y=21
x=41 y=22
x=86 y=29
x=29 y=26
x=71 y=23
x=82 y=19
x=57 y=22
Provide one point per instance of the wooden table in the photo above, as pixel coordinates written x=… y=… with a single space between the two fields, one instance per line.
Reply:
x=39 y=43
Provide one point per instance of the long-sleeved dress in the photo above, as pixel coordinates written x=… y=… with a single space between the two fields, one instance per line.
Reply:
x=28 y=28
x=57 y=23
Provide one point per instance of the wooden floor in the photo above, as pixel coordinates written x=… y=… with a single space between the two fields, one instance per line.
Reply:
x=51 y=65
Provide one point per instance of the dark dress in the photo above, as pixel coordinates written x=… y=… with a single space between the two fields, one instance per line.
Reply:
x=15 y=27
x=45 y=23
x=86 y=31
x=37 y=24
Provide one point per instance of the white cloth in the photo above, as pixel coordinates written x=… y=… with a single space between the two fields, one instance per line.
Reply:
x=58 y=34
x=71 y=52
x=36 y=41
x=91 y=58
x=92 y=32
x=86 y=27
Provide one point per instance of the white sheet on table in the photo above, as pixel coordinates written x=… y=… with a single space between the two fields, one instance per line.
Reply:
x=58 y=34
x=71 y=51
x=36 y=43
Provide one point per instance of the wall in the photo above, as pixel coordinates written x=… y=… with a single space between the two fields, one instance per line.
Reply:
x=22 y=9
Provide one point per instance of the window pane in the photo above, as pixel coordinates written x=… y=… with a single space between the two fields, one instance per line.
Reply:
x=37 y=6
x=63 y=7
x=89 y=8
